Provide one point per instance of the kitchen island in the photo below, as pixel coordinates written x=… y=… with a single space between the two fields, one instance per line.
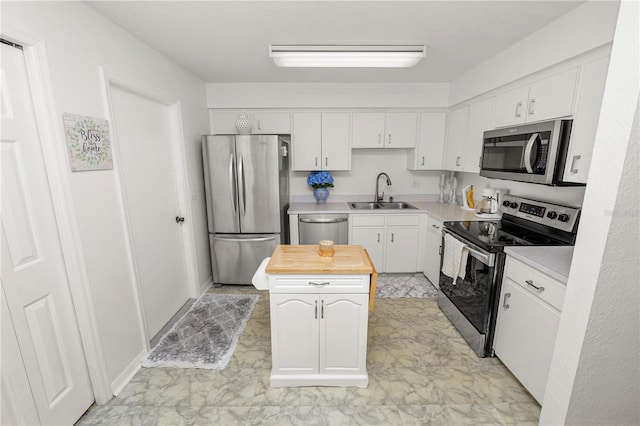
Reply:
x=319 y=315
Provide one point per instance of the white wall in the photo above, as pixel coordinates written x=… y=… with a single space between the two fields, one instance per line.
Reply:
x=327 y=95
x=78 y=43
x=584 y=28
x=594 y=376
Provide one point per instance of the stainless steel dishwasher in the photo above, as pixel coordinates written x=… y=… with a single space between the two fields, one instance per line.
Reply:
x=315 y=227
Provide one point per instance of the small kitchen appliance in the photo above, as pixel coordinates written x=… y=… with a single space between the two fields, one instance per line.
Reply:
x=535 y=153
x=247 y=194
x=470 y=301
x=489 y=206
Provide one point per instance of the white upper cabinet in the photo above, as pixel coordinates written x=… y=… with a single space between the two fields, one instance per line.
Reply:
x=271 y=123
x=263 y=123
x=429 y=151
x=457 y=125
x=545 y=99
x=320 y=141
x=384 y=130
x=480 y=120
x=585 y=120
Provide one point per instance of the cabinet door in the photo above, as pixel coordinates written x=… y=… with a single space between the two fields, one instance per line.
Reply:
x=511 y=107
x=585 y=121
x=306 y=141
x=456 y=138
x=294 y=333
x=223 y=123
x=343 y=333
x=271 y=123
x=480 y=120
x=525 y=335
x=367 y=130
x=552 y=97
x=401 y=129
x=336 y=151
x=371 y=239
x=432 y=250
x=401 y=252
x=430 y=146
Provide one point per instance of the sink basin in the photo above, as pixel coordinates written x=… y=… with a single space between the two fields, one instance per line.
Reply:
x=361 y=205
x=396 y=205
x=364 y=205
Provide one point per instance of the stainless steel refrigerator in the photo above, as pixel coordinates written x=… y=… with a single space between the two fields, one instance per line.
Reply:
x=247 y=192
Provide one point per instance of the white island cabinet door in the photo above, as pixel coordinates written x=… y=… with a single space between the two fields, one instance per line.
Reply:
x=294 y=333
x=343 y=333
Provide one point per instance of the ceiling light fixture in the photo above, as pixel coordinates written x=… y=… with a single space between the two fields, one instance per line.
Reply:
x=382 y=56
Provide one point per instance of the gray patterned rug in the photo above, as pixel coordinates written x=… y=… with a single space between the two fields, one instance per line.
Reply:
x=404 y=285
x=206 y=336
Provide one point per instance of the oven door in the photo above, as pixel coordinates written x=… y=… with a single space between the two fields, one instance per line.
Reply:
x=470 y=302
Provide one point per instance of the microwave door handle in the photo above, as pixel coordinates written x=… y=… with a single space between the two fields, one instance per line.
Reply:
x=527 y=152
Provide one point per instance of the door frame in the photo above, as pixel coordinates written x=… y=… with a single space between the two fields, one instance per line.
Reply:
x=53 y=145
x=178 y=155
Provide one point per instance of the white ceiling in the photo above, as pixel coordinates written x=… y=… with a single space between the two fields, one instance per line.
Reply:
x=228 y=41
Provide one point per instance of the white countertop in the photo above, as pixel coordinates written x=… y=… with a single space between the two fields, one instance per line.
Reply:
x=554 y=261
x=444 y=212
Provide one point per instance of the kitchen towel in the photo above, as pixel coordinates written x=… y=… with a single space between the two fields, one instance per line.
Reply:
x=454 y=258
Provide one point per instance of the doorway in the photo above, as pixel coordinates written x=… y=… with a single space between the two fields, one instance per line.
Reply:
x=145 y=147
x=46 y=361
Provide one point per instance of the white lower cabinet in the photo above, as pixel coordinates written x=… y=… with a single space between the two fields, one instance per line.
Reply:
x=393 y=241
x=319 y=339
x=433 y=242
x=527 y=324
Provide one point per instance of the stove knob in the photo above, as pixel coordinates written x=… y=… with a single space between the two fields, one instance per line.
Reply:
x=505 y=203
x=552 y=215
x=513 y=205
x=563 y=217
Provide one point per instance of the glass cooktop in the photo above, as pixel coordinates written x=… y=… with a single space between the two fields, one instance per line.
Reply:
x=494 y=235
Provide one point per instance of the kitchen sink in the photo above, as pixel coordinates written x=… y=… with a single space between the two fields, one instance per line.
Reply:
x=363 y=205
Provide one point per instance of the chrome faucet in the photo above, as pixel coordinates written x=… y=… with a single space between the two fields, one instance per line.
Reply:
x=378 y=197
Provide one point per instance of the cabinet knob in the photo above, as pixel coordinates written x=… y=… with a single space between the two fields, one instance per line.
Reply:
x=326 y=161
x=532 y=106
x=389 y=138
x=392 y=237
x=422 y=161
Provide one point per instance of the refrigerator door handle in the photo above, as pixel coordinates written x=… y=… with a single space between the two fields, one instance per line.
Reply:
x=232 y=182
x=243 y=189
x=242 y=240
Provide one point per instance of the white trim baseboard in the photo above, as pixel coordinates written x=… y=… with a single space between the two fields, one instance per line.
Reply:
x=206 y=286
x=127 y=374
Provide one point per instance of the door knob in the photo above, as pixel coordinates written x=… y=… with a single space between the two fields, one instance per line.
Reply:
x=179 y=219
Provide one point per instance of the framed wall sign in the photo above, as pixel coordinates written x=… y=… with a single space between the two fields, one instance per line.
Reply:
x=88 y=143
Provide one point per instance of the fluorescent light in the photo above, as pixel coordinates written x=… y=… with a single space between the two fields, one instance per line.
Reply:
x=346 y=56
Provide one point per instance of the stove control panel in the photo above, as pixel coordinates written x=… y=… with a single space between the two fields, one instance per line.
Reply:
x=557 y=216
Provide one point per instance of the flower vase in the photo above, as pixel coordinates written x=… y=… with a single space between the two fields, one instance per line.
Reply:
x=243 y=123
x=321 y=195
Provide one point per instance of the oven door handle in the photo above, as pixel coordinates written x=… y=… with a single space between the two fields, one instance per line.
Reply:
x=483 y=256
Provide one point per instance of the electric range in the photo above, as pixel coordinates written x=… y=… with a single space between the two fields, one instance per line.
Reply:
x=470 y=301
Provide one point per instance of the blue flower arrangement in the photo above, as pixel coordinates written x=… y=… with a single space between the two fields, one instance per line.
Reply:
x=322 y=179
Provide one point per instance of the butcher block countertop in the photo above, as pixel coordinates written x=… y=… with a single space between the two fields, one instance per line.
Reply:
x=305 y=259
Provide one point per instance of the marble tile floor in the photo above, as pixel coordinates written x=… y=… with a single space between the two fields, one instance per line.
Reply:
x=421 y=372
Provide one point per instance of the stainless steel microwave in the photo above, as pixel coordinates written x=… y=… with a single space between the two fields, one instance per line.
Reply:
x=534 y=153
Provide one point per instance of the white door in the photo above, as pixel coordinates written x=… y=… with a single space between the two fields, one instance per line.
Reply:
x=144 y=138
x=458 y=122
x=371 y=239
x=402 y=250
x=307 y=141
x=336 y=152
x=401 y=129
x=34 y=278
